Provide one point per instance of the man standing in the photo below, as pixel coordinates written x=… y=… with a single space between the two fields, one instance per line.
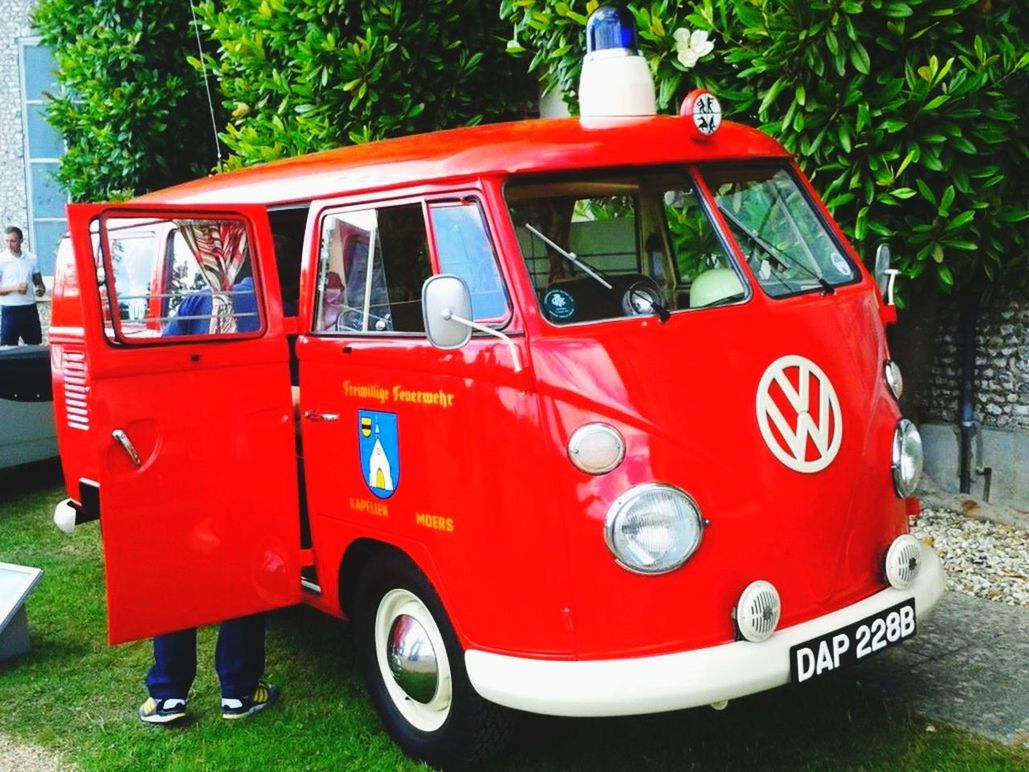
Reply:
x=18 y=315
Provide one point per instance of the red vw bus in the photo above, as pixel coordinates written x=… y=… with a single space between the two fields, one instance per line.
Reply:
x=595 y=417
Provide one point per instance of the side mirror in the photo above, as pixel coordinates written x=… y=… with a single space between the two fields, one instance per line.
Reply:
x=445 y=297
x=882 y=273
x=882 y=262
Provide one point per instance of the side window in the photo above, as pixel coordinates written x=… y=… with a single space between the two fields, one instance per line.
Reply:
x=288 y=227
x=464 y=249
x=373 y=263
x=181 y=278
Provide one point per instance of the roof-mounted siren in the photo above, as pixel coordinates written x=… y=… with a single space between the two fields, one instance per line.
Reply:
x=615 y=80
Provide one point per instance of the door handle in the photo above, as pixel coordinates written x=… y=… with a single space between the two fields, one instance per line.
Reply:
x=317 y=415
x=123 y=440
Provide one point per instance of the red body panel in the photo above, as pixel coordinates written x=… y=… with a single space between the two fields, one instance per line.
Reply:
x=683 y=395
x=487 y=502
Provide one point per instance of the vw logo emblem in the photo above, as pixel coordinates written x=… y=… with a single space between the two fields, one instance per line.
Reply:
x=798 y=413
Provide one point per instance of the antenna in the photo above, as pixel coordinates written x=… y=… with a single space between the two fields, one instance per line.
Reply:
x=207 y=85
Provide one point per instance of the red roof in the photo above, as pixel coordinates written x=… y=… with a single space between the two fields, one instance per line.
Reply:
x=469 y=153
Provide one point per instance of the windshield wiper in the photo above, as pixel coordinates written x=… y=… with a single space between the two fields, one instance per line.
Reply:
x=773 y=252
x=570 y=257
x=654 y=304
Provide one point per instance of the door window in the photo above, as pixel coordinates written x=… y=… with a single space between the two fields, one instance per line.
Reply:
x=177 y=278
x=464 y=249
x=373 y=263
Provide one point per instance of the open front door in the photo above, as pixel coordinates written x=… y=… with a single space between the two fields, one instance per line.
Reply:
x=188 y=407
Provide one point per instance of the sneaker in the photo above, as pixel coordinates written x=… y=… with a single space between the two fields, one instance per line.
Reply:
x=162 y=711
x=263 y=696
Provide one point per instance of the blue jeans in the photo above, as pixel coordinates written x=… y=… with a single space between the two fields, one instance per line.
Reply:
x=20 y=322
x=238 y=660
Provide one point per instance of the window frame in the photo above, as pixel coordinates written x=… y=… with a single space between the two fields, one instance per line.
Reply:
x=331 y=208
x=320 y=272
x=817 y=209
x=496 y=322
x=699 y=191
x=112 y=328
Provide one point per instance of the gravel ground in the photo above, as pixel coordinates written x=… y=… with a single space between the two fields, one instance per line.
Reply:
x=982 y=559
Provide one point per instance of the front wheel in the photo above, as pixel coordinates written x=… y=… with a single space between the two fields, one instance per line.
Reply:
x=414 y=669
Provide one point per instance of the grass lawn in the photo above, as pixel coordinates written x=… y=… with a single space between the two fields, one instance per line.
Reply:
x=75 y=694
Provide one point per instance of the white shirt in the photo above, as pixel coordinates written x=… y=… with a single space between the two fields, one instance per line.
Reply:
x=15 y=269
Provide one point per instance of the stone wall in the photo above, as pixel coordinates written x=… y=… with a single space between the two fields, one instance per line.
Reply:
x=1002 y=369
x=14 y=24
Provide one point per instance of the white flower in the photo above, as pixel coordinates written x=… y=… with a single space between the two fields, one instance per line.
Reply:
x=691 y=46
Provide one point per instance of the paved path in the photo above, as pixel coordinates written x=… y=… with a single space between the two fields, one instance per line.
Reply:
x=968 y=666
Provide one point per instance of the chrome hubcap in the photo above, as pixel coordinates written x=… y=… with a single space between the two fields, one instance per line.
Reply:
x=412 y=659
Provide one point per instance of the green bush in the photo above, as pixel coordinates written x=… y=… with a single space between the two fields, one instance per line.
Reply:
x=907 y=114
x=313 y=74
x=132 y=111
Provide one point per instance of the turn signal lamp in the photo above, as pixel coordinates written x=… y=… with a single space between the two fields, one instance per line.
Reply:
x=894 y=379
x=596 y=448
x=615 y=80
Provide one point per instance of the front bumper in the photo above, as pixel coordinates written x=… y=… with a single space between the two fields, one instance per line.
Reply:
x=622 y=687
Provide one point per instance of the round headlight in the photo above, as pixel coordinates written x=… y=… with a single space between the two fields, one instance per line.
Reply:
x=907 y=458
x=894 y=379
x=653 y=528
x=596 y=448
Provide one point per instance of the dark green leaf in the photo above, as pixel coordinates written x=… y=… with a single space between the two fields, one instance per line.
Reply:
x=859 y=58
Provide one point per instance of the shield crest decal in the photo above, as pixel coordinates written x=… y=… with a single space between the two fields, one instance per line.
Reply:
x=379 y=450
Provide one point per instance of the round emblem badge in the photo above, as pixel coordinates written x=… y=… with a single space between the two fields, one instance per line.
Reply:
x=559 y=305
x=703 y=111
x=798 y=413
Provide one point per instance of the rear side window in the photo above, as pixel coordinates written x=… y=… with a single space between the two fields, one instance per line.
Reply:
x=373 y=263
x=176 y=278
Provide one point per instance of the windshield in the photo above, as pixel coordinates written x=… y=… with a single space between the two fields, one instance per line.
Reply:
x=621 y=246
x=786 y=243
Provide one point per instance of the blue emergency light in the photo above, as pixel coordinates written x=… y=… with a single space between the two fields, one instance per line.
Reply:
x=615 y=80
x=610 y=28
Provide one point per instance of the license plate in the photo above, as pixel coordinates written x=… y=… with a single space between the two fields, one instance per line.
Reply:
x=852 y=643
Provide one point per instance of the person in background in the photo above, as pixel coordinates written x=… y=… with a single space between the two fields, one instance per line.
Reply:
x=19 y=318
